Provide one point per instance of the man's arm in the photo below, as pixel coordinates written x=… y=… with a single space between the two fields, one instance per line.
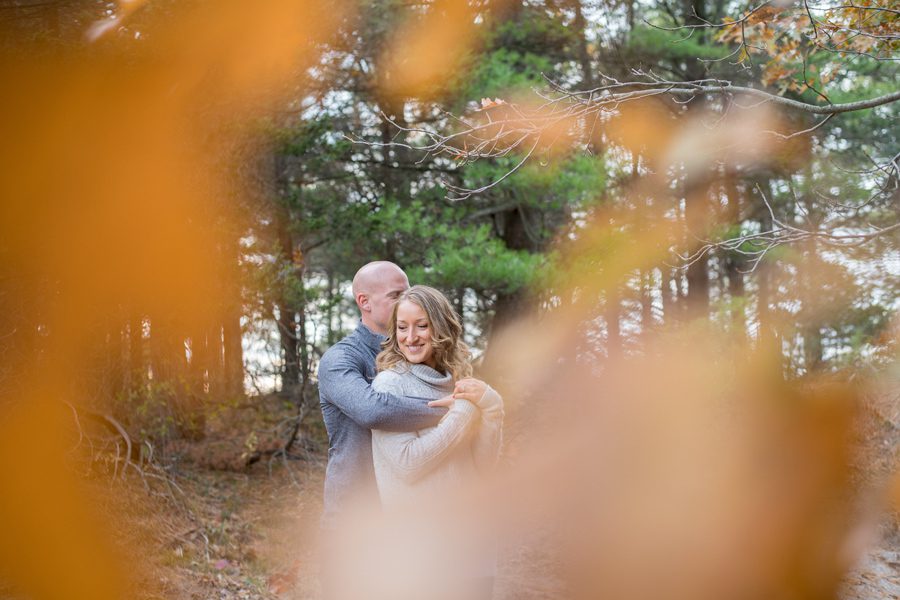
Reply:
x=342 y=383
x=412 y=455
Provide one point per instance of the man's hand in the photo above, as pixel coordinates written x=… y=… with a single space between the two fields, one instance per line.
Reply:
x=445 y=402
x=470 y=389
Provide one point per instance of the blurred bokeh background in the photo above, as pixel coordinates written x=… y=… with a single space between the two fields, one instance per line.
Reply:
x=672 y=231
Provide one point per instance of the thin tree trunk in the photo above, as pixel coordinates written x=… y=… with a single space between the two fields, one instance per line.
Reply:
x=303 y=341
x=288 y=334
x=611 y=313
x=734 y=264
x=584 y=58
x=216 y=368
x=117 y=356
x=696 y=190
x=646 y=282
x=331 y=336
x=768 y=340
x=199 y=360
x=811 y=302
x=137 y=371
x=233 y=353
x=459 y=296
x=509 y=305
x=231 y=324
x=668 y=298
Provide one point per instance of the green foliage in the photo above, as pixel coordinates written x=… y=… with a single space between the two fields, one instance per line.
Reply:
x=452 y=246
x=352 y=203
x=472 y=258
x=860 y=332
x=572 y=182
x=505 y=73
x=161 y=411
x=651 y=42
x=516 y=56
x=535 y=33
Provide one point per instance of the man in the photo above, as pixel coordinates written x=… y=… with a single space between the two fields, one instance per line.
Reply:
x=351 y=409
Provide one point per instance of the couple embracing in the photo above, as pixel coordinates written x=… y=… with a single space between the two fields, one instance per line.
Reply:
x=408 y=426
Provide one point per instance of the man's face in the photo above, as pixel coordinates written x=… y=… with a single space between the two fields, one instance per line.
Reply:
x=383 y=297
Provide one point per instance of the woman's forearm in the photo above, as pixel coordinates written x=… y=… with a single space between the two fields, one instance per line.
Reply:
x=413 y=455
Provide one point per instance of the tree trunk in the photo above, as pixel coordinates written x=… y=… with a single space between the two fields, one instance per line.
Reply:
x=234 y=361
x=668 y=295
x=733 y=266
x=812 y=300
x=303 y=342
x=733 y=262
x=611 y=313
x=459 y=295
x=696 y=189
x=395 y=182
x=287 y=312
x=215 y=370
x=646 y=283
x=584 y=58
x=233 y=356
x=331 y=337
x=199 y=360
x=137 y=371
x=510 y=305
x=768 y=340
x=117 y=356
x=696 y=215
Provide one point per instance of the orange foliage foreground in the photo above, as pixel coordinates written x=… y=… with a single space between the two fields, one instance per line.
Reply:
x=693 y=473
x=112 y=193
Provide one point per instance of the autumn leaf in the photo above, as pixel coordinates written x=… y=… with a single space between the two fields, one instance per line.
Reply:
x=488 y=103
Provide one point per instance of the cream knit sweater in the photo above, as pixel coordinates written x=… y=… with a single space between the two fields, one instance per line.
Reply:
x=465 y=442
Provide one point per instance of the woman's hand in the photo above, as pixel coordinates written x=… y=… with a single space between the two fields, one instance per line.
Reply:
x=470 y=389
x=445 y=402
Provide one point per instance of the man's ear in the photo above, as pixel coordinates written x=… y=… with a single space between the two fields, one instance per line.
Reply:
x=362 y=301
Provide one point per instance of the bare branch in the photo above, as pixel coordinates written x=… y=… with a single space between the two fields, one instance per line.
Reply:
x=802 y=132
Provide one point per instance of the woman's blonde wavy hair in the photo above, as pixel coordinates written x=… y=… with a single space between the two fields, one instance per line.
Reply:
x=451 y=354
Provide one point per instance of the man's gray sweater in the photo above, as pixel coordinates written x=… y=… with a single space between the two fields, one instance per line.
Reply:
x=351 y=409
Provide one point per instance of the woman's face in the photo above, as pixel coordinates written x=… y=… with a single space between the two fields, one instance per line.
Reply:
x=414 y=333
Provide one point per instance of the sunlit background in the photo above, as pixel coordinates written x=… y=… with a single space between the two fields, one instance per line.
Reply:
x=672 y=232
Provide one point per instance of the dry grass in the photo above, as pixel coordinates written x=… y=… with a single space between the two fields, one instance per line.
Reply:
x=220 y=531
x=877 y=575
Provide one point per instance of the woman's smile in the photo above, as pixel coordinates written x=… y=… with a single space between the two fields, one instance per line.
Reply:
x=414 y=333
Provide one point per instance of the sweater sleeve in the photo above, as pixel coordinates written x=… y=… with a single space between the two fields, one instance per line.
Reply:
x=412 y=455
x=342 y=383
x=489 y=436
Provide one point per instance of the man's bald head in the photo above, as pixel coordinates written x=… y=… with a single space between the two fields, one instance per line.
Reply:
x=370 y=275
x=376 y=287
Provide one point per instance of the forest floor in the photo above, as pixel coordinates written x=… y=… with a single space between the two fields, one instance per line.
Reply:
x=220 y=530
x=877 y=576
x=229 y=532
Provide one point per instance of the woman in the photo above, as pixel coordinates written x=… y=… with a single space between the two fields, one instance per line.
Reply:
x=424 y=356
